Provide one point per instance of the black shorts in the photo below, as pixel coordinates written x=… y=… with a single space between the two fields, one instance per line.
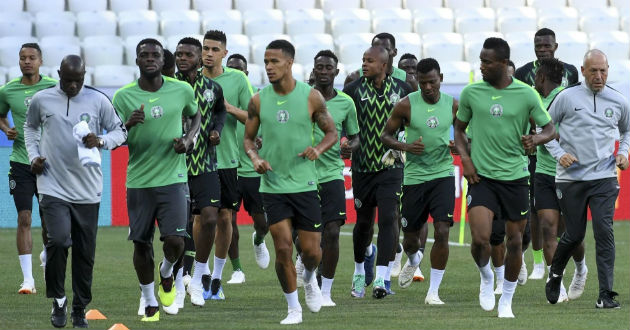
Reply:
x=303 y=209
x=332 y=195
x=205 y=190
x=249 y=192
x=435 y=197
x=22 y=185
x=229 y=188
x=167 y=204
x=498 y=231
x=531 y=167
x=545 y=196
x=507 y=198
x=367 y=188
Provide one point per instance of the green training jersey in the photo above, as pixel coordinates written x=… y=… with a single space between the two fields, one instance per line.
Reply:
x=329 y=164
x=433 y=123
x=396 y=73
x=237 y=91
x=245 y=166
x=499 y=117
x=545 y=163
x=152 y=160
x=287 y=129
x=16 y=97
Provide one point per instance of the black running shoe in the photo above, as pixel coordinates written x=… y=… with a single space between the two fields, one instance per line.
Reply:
x=607 y=300
x=59 y=314
x=78 y=318
x=552 y=288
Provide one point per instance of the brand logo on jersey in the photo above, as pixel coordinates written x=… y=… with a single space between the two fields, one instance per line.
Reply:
x=495 y=97
x=84 y=117
x=496 y=110
x=433 y=122
x=157 y=112
x=28 y=92
x=208 y=94
x=282 y=116
x=403 y=222
x=27 y=101
x=608 y=112
x=153 y=100
x=357 y=203
x=431 y=110
x=281 y=102
x=12 y=184
x=559 y=193
x=394 y=98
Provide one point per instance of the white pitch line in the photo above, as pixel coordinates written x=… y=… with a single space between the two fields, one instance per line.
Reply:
x=430 y=240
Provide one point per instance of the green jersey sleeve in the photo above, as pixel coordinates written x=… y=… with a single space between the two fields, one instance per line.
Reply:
x=245 y=94
x=537 y=109
x=350 y=124
x=4 y=102
x=190 y=109
x=464 y=112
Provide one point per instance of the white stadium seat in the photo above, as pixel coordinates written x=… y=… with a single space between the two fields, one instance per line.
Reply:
x=15 y=24
x=114 y=75
x=618 y=71
x=408 y=43
x=131 y=42
x=126 y=5
x=392 y=20
x=295 y=5
x=498 y=4
x=579 y=4
x=54 y=24
x=302 y=21
x=331 y=5
x=599 y=19
x=15 y=72
x=513 y=19
x=172 y=41
x=443 y=46
x=475 y=20
x=298 y=71
x=11 y=6
x=96 y=23
x=228 y=21
x=432 y=19
x=3 y=76
x=352 y=46
x=457 y=4
x=137 y=22
x=620 y=4
x=203 y=5
x=255 y=74
x=380 y=4
x=421 y=4
x=521 y=47
x=542 y=4
x=55 y=48
x=238 y=44
x=343 y=73
x=169 y=5
x=572 y=45
x=179 y=22
x=307 y=45
x=473 y=43
x=256 y=5
x=259 y=44
x=558 y=18
x=615 y=44
x=35 y=6
x=103 y=50
x=343 y=21
x=455 y=72
x=625 y=23
x=83 y=5
x=267 y=21
x=10 y=49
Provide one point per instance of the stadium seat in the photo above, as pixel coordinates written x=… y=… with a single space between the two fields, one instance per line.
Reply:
x=380 y=4
x=391 y=20
x=455 y=72
x=54 y=24
x=295 y=5
x=615 y=44
x=255 y=74
x=55 y=48
x=352 y=46
x=203 y=5
x=354 y=20
x=15 y=72
x=458 y=4
x=542 y=4
x=96 y=23
x=103 y=50
x=83 y=5
x=87 y=79
x=255 y=5
x=415 y=4
x=558 y=18
x=137 y=22
x=11 y=6
x=580 y=4
x=169 y=5
x=521 y=47
x=10 y=49
x=114 y=75
x=35 y=6
x=228 y=21
x=572 y=45
x=302 y=21
x=259 y=44
x=179 y=22
x=238 y=44
x=3 y=76
x=432 y=19
x=408 y=42
x=126 y=5
x=307 y=45
x=475 y=20
x=498 y=4
x=267 y=21
x=341 y=77
x=332 y=5
x=473 y=43
x=132 y=41
x=443 y=46
x=599 y=19
x=625 y=23
x=513 y=19
x=298 y=71
x=15 y=24
x=172 y=41
x=622 y=5
x=618 y=71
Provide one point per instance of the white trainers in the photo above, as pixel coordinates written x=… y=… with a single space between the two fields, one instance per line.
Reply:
x=433 y=298
x=27 y=288
x=417 y=275
x=299 y=271
x=238 y=277
x=486 y=294
x=577 y=284
x=294 y=316
x=563 y=297
x=172 y=309
x=42 y=259
x=327 y=301
x=522 y=275
x=396 y=268
x=196 y=293
x=261 y=253
x=499 y=289
x=505 y=309
x=313 y=295
x=538 y=272
x=186 y=279
x=180 y=297
x=406 y=276
x=142 y=305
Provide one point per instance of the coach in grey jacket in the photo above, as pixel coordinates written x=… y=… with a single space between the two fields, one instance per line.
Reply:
x=70 y=193
x=590 y=116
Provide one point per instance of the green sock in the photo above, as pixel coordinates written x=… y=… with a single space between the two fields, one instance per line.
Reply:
x=258 y=240
x=538 y=256
x=236 y=264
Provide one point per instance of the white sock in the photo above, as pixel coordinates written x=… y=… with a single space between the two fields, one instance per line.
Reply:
x=200 y=267
x=167 y=268
x=148 y=292
x=436 y=279
x=292 y=300
x=61 y=301
x=414 y=258
x=368 y=250
x=580 y=266
x=26 y=264
x=420 y=255
x=327 y=286
x=179 y=280
x=359 y=268
x=388 y=274
x=500 y=271
x=298 y=258
x=44 y=254
x=549 y=269
x=508 y=291
x=381 y=271
x=486 y=271
x=218 y=267
x=308 y=275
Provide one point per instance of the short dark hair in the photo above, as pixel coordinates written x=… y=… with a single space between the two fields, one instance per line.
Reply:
x=286 y=47
x=385 y=35
x=216 y=35
x=552 y=68
x=33 y=45
x=408 y=56
x=500 y=47
x=169 y=60
x=190 y=41
x=237 y=56
x=510 y=63
x=425 y=65
x=148 y=41
x=327 y=53
x=545 y=32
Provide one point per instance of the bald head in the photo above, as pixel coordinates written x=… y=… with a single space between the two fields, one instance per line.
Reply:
x=71 y=74
x=595 y=69
x=72 y=63
x=375 y=60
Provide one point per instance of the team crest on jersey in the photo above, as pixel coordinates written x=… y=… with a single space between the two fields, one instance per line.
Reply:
x=433 y=122
x=403 y=222
x=84 y=117
x=608 y=113
x=394 y=98
x=282 y=116
x=357 y=203
x=157 y=112
x=208 y=95
x=496 y=110
x=27 y=101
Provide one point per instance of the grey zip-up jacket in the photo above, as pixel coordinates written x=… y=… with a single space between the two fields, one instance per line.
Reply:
x=48 y=133
x=589 y=125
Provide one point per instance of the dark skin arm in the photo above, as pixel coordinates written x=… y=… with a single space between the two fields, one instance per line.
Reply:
x=184 y=143
x=137 y=117
x=240 y=115
x=320 y=116
x=461 y=144
x=530 y=141
x=401 y=114
x=11 y=132
x=349 y=145
x=251 y=131
x=411 y=80
x=38 y=166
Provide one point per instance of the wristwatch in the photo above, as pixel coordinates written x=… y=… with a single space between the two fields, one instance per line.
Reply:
x=101 y=143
